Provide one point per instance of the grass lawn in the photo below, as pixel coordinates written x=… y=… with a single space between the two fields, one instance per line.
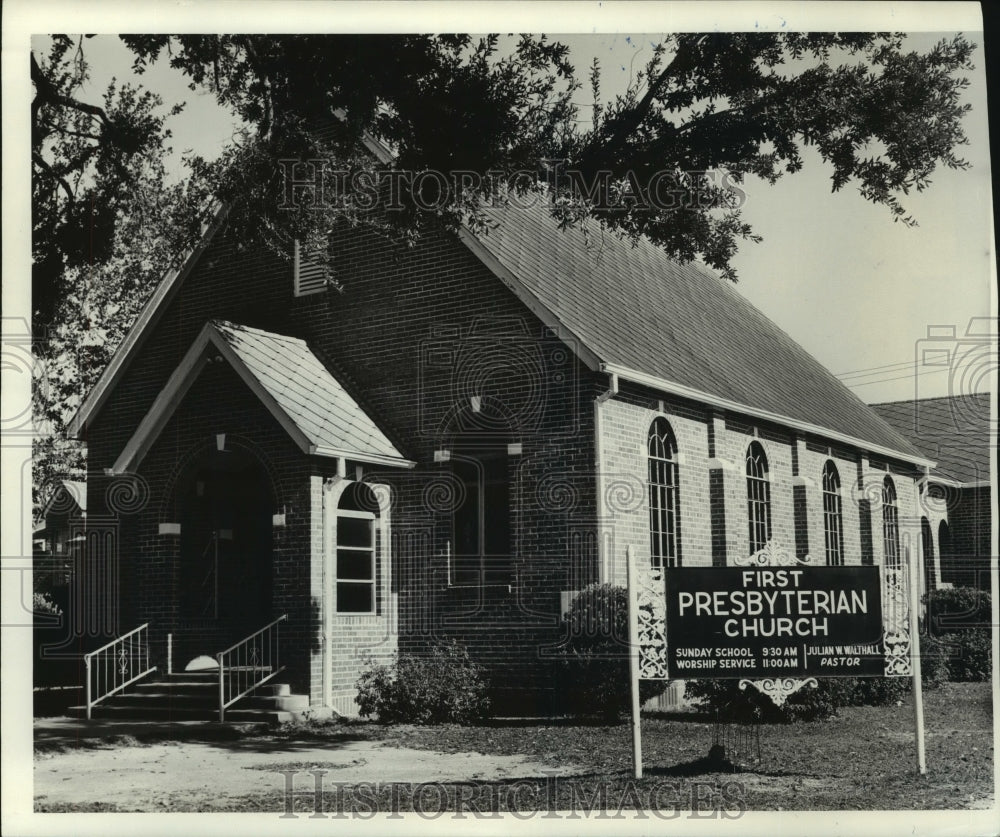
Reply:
x=863 y=759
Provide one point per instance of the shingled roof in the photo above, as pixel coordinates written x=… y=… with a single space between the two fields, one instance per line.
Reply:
x=637 y=313
x=291 y=383
x=636 y=309
x=953 y=430
x=306 y=392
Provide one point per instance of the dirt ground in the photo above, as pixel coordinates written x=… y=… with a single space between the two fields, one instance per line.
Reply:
x=862 y=760
x=123 y=773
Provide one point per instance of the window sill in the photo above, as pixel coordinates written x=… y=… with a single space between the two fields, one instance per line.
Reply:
x=508 y=585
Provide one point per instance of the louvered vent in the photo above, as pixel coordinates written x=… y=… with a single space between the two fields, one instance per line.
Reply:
x=310 y=276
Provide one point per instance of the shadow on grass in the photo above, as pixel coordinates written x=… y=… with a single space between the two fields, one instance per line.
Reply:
x=244 y=738
x=591 y=720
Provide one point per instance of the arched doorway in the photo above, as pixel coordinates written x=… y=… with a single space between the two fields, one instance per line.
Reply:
x=224 y=579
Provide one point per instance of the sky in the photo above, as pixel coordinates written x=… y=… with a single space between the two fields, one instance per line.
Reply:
x=859 y=291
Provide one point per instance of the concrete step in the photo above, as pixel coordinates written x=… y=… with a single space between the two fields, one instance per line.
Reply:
x=274 y=689
x=181 y=697
x=168 y=714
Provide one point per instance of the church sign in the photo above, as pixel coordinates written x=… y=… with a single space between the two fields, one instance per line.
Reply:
x=754 y=622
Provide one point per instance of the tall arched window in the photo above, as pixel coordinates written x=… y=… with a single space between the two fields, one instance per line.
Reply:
x=833 y=516
x=890 y=523
x=664 y=497
x=927 y=542
x=944 y=550
x=758 y=497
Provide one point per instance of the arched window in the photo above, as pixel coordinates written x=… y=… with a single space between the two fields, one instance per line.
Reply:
x=357 y=548
x=945 y=551
x=758 y=497
x=833 y=516
x=927 y=542
x=890 y=523
x=664 y=497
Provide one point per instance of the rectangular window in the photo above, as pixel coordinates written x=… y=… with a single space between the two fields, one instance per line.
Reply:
x=481 y=549
x=355 y=566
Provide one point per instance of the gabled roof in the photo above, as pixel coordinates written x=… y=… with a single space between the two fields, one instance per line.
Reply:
x=677 y=328
x=635 y=313
x=148 y=317
x=954 y=430
x=290 y=381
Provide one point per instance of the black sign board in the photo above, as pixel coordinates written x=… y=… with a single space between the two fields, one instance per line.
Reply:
x=757 y=622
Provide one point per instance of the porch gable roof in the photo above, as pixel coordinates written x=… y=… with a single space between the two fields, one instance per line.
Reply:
x=290 y=381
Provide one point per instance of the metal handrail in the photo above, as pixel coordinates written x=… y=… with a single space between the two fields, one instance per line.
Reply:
x=242 y=664
x=126 y=653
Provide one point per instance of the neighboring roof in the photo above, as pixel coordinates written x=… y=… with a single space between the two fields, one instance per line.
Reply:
x=291 y=382
x=69 y=493
x=678 y=327
x=954 y=430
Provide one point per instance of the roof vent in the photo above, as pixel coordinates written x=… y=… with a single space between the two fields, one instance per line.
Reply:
x=310 y=276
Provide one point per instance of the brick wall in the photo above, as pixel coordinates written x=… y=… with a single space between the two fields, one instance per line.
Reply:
x=970 y=522
x=444 y=357
x=414 y=335
x=713 y=488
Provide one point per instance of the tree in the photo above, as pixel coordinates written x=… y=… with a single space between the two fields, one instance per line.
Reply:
x=664 y=160
x=90 y=319
x=92 y=166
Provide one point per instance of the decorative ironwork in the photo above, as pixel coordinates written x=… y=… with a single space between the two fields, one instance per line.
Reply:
x=114 y=666
x=779 y=689
x=895 y=616
x=773 y=554
x=248 y=664
x=651 y=607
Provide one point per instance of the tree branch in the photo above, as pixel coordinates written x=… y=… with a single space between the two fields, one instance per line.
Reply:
x=629 y=121
x=47 y=92
x=60 y=180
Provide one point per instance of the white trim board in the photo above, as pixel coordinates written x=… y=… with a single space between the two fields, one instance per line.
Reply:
x=664 y=385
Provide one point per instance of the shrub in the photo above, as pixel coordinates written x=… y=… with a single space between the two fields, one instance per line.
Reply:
x=725 y=700
x=958 y=608
x=969 y=654
x=442 y=685
x=594 y=677
x=959 y=618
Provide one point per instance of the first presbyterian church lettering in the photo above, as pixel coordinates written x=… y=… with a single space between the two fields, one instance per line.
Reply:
x=734 y=622
x=796 y=612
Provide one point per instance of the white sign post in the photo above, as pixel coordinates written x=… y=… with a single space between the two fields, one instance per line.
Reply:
x=633 y=663
x=918 y=691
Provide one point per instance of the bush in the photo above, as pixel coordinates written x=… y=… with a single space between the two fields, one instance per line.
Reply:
x=957 y=609
x=724 y=698
x=967 y=654
x=443 y=685
x=594 y=677
x=42 y=603
x=959 y=619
